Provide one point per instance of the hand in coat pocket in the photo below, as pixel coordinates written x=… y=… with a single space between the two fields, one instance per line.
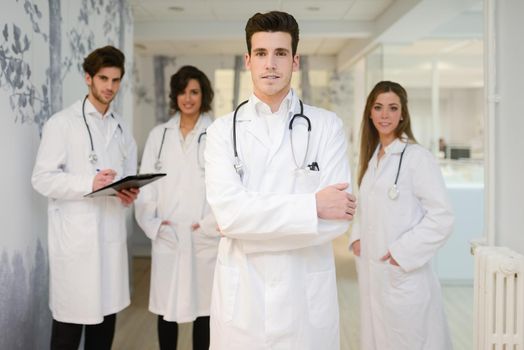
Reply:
x=168 y=234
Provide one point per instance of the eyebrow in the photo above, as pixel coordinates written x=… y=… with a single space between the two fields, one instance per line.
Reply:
x=278 y=49
x=281 y=49
x=389 y=104
x=102 y=76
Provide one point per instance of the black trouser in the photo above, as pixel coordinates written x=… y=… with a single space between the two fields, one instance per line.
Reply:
x=66 y=336
x=168 y=333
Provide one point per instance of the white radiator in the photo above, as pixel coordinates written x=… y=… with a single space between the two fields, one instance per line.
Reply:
x=499 y=299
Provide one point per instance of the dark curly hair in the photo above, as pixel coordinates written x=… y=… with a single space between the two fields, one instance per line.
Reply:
x=179 y=82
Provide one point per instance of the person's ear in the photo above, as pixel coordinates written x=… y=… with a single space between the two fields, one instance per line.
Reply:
x=247 y=60
x=89 y=79
x=296 y=63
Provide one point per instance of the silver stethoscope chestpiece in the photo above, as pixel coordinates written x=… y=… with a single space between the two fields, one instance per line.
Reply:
x=393 y=192
x=93 y=158
x=158 y=165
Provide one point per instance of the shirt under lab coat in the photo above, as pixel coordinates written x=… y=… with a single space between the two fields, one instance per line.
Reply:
x=275 y=284
x=86 y=236
x=401 y=307
x=183 y=260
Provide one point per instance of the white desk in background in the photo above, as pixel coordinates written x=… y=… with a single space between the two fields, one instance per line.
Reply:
x=454 y=263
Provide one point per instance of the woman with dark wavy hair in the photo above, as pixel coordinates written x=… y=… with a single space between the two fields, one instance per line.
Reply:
x=403 y=218
x=174 y=214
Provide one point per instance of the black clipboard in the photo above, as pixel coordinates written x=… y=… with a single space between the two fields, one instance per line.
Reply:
x=131 y=181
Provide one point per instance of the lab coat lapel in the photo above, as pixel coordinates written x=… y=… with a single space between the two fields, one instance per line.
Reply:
x=100 y=140
x=195 y=133
x=257 y=127
x=394 y=148
x=173 y=152
x=300 y=138
x=114 y=130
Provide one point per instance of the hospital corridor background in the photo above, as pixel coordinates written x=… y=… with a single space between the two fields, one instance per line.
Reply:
x=459 y=60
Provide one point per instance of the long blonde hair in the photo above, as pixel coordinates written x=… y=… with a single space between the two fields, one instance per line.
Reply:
x=369 y=137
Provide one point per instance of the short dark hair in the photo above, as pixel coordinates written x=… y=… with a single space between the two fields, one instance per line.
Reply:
x=179 y=82
x=274 y=21
x=107 y=56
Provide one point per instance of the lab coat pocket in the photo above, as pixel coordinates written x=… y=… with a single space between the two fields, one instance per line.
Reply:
x=306 y=181
x=322 y=299
x=204 y=244
x=227 y=279
x=72 y=233
x=167 y=238
x=407 y=302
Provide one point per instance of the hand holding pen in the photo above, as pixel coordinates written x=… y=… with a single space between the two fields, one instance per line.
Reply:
x=103 y=178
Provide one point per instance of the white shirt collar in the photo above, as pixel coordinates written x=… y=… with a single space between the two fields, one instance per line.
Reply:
x=92 y=111
x=262 y=108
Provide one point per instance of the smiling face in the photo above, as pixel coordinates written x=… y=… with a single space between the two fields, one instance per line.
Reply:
x=189 y=101
x=386 y=114
x=271 y=63
x=103 y=87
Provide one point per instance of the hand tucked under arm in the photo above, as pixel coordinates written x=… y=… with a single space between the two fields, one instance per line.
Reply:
x=334 y=203
x=355 y=246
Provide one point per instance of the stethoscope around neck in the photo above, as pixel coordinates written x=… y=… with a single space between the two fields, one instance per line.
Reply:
x=93 y=158
x=159 y=164
x=239 y=166
x=394 y=192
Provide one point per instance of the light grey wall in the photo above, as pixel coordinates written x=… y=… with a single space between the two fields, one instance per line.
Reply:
x=33 y=35
x=508 y=160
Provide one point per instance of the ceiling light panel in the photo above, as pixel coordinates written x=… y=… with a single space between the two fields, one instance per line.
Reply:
x=241 y=10
x=324 y=11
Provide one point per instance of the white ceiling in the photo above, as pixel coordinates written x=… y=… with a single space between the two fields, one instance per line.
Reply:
x=217 y=26
x=342 y=28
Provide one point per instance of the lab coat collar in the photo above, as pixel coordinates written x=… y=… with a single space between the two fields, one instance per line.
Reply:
x=257 y=126
x=255 y=105
x=174 y=122
x=397 y=146
x=262 y=107
x=92 y=111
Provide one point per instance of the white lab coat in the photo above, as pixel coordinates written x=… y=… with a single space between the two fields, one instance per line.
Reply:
x=275 y=284
x=401 y=307
x=86 y=236
x=183 y=260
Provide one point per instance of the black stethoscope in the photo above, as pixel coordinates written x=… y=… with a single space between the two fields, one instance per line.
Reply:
x=394 y=192
x=239 y=167
x=93 y=158
x=158 y=163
